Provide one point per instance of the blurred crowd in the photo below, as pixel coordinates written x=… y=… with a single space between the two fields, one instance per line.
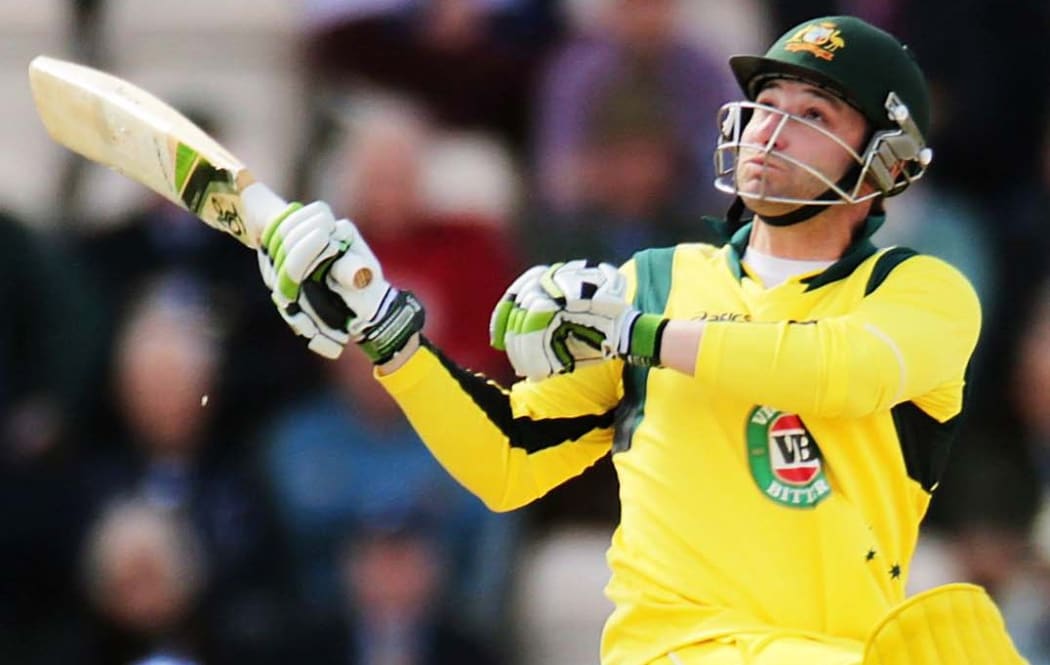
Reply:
x=183 y=483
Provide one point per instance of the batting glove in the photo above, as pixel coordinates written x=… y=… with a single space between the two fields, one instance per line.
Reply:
x=329 y=287
x=554 y=319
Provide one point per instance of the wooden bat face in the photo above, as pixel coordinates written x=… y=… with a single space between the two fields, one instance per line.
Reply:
x=112 y=122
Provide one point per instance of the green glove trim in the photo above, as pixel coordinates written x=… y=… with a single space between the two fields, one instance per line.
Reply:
x=273 y=244
x=586 y=334
x=646 y=335
x=500 y=318
x=288 y=288
x=530 y=322
x=561 y=349
x=552 y=289
x=592 y=337
x=271 y=228
x=514 y=319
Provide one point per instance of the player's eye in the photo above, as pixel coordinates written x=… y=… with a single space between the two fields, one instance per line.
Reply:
x=766 y=100
x=814 y=114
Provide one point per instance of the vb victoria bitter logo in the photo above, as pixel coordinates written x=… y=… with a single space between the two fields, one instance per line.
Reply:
x=785 y=461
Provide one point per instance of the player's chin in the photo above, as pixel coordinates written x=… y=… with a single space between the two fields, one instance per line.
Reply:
x=756 y=187
x=757 y=196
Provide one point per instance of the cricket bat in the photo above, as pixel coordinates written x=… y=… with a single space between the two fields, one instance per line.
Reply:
x=112 y=122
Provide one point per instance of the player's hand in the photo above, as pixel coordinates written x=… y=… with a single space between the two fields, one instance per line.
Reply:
x=293 y=246
x=554 y=319
x=521 y=325
x=329 y=286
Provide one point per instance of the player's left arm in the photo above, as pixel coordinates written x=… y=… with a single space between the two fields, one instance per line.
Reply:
x=912 y=335
x=909 y=340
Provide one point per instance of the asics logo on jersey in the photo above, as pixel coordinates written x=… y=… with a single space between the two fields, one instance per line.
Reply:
x=721 y=316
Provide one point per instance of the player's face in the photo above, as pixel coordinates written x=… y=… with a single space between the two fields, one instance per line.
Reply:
x=760 y=173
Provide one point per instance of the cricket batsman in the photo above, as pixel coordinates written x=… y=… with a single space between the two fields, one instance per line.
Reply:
x=779 y=409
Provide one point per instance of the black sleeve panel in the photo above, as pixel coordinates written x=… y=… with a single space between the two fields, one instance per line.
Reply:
x=526 y=433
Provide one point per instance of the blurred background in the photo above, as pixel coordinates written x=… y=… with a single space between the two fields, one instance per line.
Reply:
x=181 y=482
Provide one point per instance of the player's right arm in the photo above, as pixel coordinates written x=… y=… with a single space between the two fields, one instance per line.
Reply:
x=508 y=447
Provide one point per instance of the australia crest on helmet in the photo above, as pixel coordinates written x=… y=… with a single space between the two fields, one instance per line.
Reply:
x=821 y=39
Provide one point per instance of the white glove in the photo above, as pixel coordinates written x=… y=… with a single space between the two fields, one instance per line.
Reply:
x=554 y=319
x=521 y=324
x=329 y=287
x=293 y=246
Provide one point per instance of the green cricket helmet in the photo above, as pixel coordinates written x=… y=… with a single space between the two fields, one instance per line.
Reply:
x=867 y=68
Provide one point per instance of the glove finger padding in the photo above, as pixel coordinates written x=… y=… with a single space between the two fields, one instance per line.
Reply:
x=276 y=237
x=591 y=287
x=328 y=339
x=611 y=296
x=308 y=253
x=594 y=296
x=266 y=269
x=528 y=337
x=297 y=243
x=501 y=313
x=555 y=318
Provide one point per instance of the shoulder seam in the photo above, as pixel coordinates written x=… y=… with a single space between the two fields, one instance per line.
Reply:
x=885 y=264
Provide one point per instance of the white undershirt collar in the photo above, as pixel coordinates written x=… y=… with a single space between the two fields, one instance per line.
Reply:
x=773 y=270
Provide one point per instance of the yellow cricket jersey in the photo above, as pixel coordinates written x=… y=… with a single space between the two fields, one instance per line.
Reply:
x=781 y=486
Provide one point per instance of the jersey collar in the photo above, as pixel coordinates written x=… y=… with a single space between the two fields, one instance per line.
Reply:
x=855 y=254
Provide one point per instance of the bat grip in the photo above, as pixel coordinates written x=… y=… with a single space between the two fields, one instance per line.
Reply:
x=352 y=273
x=261 y=206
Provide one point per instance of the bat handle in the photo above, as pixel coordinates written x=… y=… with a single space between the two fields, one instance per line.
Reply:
x=353 y=272
x=261 y=206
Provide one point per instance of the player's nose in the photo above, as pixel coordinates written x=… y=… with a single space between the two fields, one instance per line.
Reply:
x=766 y=128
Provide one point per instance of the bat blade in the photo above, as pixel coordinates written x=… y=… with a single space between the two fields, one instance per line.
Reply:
x=112 y=122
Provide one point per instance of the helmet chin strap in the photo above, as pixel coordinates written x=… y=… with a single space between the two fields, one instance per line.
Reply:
x=799 y=214
x=734 y=217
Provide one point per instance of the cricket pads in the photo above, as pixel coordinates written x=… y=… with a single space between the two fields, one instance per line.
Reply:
x=954 y=624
